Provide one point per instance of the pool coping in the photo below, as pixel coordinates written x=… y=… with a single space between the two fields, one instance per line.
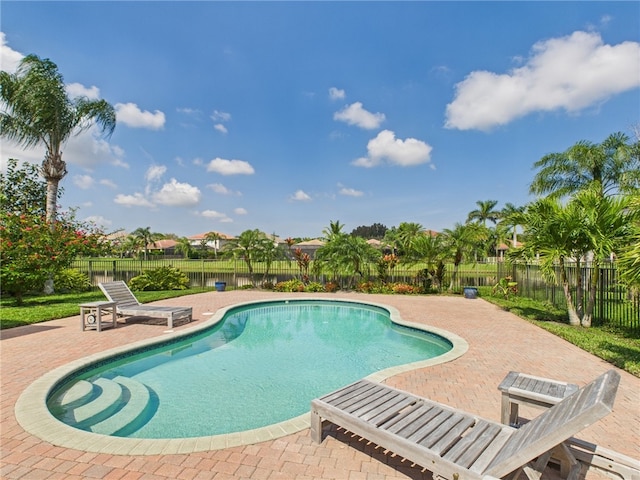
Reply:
x=34 y=416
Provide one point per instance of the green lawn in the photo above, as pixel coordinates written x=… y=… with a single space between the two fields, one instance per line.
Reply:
x=618 y=347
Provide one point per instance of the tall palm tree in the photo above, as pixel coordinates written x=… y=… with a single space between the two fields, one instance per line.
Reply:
x=485 y=212
x=213 y=238
x=36 y=110
x=510 y=220
x=609 y=167
x=248 y=246
x=333 y=230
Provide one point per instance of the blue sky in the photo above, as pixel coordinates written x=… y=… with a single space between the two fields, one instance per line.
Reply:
x=284 y=116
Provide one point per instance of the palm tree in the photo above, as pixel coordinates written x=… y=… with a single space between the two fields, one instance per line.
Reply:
x=607 y=223
x=510 y=219
x=184 y=246
x=461 y=242
x=247 y=246
x=213 y=238
x=485 y=211
x=431 y=251
x=334 y=229
x=346 y=253
x=36 y=110
x=629 y=256
x=610 y=167
x=146 y=238
x=555 y=236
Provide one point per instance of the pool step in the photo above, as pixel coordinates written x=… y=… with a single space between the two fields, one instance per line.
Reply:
x=79 y=393
x=101 y=406
x=107 y=406
x=134 y=408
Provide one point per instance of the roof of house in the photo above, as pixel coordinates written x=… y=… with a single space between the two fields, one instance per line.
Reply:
x=162 y=244
x=310 y=243
x=201 y=236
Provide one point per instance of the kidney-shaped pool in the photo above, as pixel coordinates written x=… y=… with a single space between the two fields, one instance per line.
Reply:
x=257 y=365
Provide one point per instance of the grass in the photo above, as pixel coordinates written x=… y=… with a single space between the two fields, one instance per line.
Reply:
x=616 y=346
x=49 y=307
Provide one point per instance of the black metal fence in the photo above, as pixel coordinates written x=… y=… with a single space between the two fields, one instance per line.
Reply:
x=615 y=303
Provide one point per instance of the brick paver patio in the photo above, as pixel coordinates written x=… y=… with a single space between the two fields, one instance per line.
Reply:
x=498 y=342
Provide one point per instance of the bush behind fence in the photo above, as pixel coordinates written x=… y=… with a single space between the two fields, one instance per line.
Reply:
x=615 y=304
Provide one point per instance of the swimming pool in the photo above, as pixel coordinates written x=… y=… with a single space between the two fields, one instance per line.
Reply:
x=266 y=358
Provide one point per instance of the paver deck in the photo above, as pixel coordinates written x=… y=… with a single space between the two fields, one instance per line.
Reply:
x=498 y=342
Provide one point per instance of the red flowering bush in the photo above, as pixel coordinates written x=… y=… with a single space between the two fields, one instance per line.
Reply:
x=32 y=250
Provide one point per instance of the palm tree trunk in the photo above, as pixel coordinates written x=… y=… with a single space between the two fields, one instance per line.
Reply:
x=574 y=319
x=591 y=300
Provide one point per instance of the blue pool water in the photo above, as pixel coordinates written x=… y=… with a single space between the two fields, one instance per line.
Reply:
x=261 y=365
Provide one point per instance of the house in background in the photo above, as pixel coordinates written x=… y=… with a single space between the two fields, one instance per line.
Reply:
x=215 y=242
x=166 y=247
x=310 y=247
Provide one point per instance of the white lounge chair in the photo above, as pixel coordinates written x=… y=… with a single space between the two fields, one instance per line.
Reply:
x=127 y=305
x=456 y=445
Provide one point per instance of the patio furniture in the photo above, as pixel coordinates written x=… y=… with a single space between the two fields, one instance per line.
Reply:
x=91 y=315
x=127 y=305
x=538 y=392
x=454 y=444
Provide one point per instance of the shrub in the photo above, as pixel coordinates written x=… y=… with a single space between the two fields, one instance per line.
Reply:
x=331 y=287
x=71 y=281
x=314 y=287
x=293 y=285
x=268 y=285
x=405 y=289
x=161 y=278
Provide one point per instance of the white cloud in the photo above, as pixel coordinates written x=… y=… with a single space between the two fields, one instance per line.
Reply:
x=220 y=127
x=300 y=196
x=176 y=194
x=386 y=147
x=131 y=115
x=350 y=192
x=214 y=215
x=84 y=182
x=135 y=200
x=108 y=183
x=9 y=58
x=218 y=116
x=221 y=189
x=99 y=221
x=230 y=167
x=354 y=114
x=79 y=90
x=155 y=172
x=240 y=211
x=336 y=93
x=570 y=73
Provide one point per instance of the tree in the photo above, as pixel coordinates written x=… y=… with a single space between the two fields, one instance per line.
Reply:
x=22 y=189
x=32 y=250
x=509 y=221
x=348 y=254
x=145 y=238
x=184 y=246
x=36 y=110
x=334 y=229
x=609 y=167
x=608 y=223
x=461 y=242
x=377 y=231
x=248 y=246
x=431 y=251
x=485 y=212
x=629 y=255
x=555 y=236
x=213 y=238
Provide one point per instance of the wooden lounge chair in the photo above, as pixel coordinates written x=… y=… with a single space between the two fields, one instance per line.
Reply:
x=456 y=445
x=127 y=305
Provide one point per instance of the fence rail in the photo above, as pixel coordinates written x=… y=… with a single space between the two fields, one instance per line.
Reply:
x=615 y=304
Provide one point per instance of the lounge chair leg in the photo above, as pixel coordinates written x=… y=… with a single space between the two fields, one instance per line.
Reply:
x=316 y=427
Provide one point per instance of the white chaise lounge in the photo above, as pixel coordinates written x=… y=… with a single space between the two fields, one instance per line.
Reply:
x=127 y=305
